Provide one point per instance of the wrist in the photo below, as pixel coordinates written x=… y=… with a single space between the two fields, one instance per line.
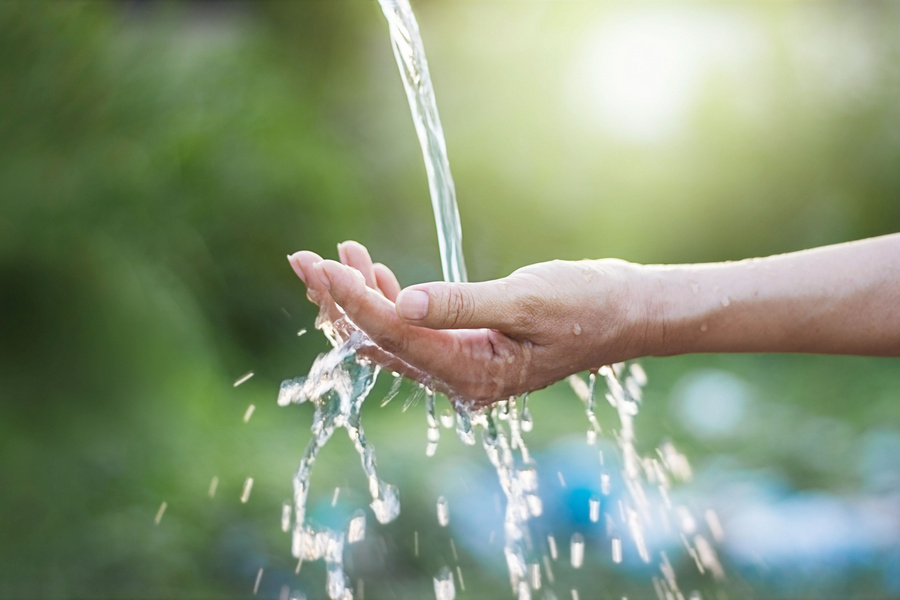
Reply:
x=672 y=314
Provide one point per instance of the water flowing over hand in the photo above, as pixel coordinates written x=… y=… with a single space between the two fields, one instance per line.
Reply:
x=481 y=342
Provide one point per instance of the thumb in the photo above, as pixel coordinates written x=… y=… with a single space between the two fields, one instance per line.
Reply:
x=458 y=305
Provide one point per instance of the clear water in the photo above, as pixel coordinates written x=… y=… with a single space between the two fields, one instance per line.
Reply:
x=410 y=54
x=338 y=384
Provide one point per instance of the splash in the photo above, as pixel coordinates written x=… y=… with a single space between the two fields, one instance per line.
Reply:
x=337 y=385
x=647 y=506
x=340 y=381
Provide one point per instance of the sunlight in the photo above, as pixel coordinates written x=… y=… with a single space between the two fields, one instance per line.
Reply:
x=638 y=72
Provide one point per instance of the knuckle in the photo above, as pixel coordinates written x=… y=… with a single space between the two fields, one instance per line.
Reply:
x=528 y=313
x=458 y=307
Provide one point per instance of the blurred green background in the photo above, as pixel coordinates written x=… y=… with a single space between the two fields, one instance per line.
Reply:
x=159 y=160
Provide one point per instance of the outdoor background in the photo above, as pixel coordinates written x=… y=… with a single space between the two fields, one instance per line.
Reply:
x=159 y=160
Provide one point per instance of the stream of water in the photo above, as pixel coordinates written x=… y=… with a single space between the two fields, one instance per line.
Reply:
x=338 y=384
x=410 y=54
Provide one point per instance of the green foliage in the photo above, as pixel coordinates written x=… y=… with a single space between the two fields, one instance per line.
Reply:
x=157 y=162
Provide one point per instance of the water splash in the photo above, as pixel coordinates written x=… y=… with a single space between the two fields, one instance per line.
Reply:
x=444 y=588
x=646 y=506
x=337 y=385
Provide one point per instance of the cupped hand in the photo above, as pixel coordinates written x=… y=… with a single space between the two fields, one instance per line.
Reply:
x=482 y=342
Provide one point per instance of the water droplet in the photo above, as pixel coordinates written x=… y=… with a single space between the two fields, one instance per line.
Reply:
x=551 y=541
x=562 y=480
x=574 y=594
x=462 y=583
x=301 y=332
x=356 y=529
x=335 y=582
x=708 y=557
x=591 y=437
x=256 y=583
x=524 y=592
x=617 y=550
x=159 y=513
x=447 y=418
x=245 y=491
x=686 y=520
x=594 y=508
x=527 y=422
x=335 y=495
x=249 y=412
x=715 y=526
x=549 y=570
x=464 y=427
x=387 y=505
x=243 y=379
x=703 y=327
x=637 y=371
x=415 y=543
x=443 y=585
x=577 y=550
x=392 y=393
x=213 y=484
x=443 y=511
x=725 y=301
x=285 y=516
x=604 y=483
x=534 y=576
x=576 y=329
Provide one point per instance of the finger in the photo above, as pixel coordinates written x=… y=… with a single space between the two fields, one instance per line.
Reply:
x=387 y=282
x=474 y=365
x=303 y=264
x=440 y=305
x=353 y=254
x=375 y=314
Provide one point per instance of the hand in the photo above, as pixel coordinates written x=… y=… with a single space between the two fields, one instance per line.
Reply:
x=482 y=342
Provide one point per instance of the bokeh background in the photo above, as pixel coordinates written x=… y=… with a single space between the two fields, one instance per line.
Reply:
x=159 y=160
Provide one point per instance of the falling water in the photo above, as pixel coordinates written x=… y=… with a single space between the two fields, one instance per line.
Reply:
x=410 y=54
x=338 y=383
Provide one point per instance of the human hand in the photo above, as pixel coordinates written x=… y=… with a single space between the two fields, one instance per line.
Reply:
x=482 y=342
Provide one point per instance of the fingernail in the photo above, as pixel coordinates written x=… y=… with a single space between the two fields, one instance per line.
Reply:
x=295 y=264
x=412 y=304
x=320 y=271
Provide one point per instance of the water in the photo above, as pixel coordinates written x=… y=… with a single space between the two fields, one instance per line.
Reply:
x=443 y=512
x=338 y=384
x=576 y=552
x=410 y=54
x=245 y=491
x=444 y=588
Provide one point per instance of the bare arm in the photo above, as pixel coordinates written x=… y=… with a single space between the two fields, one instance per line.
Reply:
x=841 y=299
x=487 y=341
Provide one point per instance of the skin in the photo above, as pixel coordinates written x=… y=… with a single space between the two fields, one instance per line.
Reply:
x=481 y=342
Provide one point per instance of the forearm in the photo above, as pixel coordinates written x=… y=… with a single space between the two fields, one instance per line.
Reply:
x=842 y=299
